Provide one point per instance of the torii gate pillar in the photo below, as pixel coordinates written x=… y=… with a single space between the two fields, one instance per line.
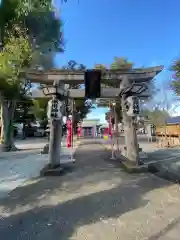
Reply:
x=132 y=148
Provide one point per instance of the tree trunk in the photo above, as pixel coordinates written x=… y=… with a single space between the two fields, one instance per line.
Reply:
x=7 y=130
x=25 y=112
x=4 y=126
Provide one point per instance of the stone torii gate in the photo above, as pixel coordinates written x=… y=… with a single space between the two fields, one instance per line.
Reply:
x=124 y=79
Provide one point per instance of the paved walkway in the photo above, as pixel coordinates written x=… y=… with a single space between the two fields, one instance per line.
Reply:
x=165 y=160
x=145 y=145
x=96 y=200
x=18 y=167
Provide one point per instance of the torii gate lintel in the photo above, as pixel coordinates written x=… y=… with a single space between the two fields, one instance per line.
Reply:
x=144 y=75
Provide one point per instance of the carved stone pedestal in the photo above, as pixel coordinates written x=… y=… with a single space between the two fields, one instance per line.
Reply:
x=45 y=149
x=57 y=170
x=48 y=170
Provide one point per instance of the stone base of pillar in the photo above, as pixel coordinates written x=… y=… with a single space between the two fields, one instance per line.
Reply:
x=57 y=170
x=131 y=168
x=49 y=170
x=45 y=149
x=124 y=152
x=142 y=156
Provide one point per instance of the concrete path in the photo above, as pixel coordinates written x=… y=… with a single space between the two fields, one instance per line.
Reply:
x=31 y=143
x=18 y=167
x=35 y=143
x=165 y=161
x=145 y=145
x=96 y=200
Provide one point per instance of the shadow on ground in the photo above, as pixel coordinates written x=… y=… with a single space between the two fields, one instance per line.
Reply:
x=163 y=154
x=63 y=219
x=84 y=171
x=165 y=163
x=60 y=220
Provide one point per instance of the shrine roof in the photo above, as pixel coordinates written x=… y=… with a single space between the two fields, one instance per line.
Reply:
x=173 y=120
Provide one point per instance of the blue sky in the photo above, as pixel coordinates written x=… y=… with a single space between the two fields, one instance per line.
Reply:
x=146 y=32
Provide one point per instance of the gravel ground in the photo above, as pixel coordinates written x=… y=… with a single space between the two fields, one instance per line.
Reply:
x=96 y=200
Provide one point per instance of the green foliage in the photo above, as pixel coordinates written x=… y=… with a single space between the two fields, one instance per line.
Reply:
x=12 y=10
x=39 y=108
x=176 y=82
x=157 y=117
x=107 y=115
x=24 y=7
x=44 y=30
x=120 y=63
x=15 y=56
x=15 y=12
x=23 y=111
x=31 y=34
x=118 y=110
x=176 y=68
x=73 y=65
x=31 y=109
x=81 y=110
x=100 y=67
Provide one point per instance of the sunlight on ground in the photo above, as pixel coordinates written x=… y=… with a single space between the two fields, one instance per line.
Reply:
x=158 y=213
x=166 y=195
x=125 y=206
x=81 y=191
x=29 y=182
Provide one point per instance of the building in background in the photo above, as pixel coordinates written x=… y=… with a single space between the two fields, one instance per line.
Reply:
x=90 y=127
x=171 y=128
